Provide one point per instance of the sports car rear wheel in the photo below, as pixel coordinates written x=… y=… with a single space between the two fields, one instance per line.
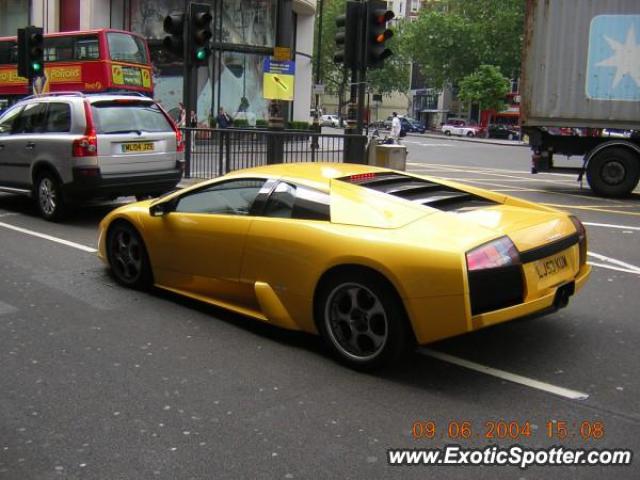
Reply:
x=128 y=257
x=362 y=321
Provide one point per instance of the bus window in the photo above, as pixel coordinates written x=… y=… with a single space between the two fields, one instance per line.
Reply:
x=58 y=49
x=8 y=53
x=86 y=48
x=126 y=48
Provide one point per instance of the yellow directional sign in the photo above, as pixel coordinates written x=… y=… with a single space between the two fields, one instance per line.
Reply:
x=278 y=80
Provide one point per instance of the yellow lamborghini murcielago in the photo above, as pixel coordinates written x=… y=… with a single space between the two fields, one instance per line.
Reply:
x=372 y=259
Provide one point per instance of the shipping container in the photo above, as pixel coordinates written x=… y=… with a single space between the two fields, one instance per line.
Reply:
x=581 y=64
x=580 y=82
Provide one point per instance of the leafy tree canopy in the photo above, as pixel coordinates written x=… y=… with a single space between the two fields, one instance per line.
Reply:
x=453 y=38
x=486 y=86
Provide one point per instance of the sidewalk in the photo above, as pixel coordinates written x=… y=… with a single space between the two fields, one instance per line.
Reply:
x=187 y=182
x=491 y=141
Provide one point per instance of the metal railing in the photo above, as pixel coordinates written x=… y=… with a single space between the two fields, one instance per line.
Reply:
x=215 y=152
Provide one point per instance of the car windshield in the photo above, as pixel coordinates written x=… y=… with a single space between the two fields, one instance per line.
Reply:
x=124 y=116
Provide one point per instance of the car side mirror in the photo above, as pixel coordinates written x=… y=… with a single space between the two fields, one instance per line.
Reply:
x=162 y=208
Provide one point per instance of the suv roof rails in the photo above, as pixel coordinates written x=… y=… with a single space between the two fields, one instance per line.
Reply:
x=122 y=92
x=55 y=94
x=82 y=94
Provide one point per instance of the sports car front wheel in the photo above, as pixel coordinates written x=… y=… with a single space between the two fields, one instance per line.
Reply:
x=128 y=257
x=362 y=321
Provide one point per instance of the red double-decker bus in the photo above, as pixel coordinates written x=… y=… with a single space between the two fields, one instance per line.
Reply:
x=103 y=60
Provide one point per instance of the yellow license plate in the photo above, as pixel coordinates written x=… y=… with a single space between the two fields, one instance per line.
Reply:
x=551 y=269
x=137 y=147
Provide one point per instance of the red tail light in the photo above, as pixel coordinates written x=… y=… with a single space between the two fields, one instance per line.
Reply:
x=360 y=177
x=497 y=253
x=86 y=146
x=582 y=239
x=179 y=141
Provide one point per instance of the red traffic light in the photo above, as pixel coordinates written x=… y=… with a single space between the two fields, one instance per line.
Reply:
x=383 y=16
x=377 y=33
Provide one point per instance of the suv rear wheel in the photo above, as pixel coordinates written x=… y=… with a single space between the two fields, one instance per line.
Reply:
x=48 y=197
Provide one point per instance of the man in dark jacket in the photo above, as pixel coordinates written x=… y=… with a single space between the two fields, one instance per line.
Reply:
x=223 y=120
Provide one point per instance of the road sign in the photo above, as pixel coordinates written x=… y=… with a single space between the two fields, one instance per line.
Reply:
x=318 y=89
x=278 y=79
x=282 y=53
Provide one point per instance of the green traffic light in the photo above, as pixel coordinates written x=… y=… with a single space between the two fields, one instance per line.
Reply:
x=36 y=66
x=201 y=54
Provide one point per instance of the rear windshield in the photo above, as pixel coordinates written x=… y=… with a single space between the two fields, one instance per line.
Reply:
x=129 y=116
x=124 y=47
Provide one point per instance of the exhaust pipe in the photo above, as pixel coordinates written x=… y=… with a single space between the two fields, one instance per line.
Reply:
x=563 y=294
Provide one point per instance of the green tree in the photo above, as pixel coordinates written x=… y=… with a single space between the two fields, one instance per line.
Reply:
x=452 y=39
x=334 y=77
x=486 y=86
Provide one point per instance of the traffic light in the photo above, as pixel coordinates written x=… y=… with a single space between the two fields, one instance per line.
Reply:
x=377 y=33
x=30 y=52
x=347 y=33
x=200 y=31
x=174 y=25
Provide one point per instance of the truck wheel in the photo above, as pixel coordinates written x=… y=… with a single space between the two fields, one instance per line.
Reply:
x=613 y=172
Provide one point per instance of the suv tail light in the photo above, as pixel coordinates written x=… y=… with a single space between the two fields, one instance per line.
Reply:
x=582 y=239
x=176 y=129
x=179 y=141
x=87 y=145
x=497 y=253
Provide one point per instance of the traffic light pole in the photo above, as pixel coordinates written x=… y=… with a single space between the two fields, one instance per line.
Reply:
x=354 y=147
x=188 y=94
x=187 y=88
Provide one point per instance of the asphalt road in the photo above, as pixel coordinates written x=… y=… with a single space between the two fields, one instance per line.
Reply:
x=100 y=382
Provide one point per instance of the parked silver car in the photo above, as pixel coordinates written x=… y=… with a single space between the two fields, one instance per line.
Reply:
x=65 y=148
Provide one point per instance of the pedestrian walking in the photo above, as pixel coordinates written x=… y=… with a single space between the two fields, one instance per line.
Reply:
x=193 y=123
x=182 y=115
x=396 y=128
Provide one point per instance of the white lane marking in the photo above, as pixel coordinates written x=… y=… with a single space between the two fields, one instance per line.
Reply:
x=51 y=238
x=510 y=377
x=618 y=263
x=610 y=267
x=609 y=225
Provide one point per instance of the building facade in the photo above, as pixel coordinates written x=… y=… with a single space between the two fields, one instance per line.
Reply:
x=245 y=31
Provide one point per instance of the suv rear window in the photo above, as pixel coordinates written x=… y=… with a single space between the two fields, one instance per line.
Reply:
x=123 y=116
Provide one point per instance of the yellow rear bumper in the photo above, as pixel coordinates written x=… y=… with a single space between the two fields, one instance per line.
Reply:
x=528 y=308
x=436 y=318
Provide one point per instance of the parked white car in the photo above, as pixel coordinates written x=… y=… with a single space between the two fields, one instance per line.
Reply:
x=329 y=121
x=462 y=130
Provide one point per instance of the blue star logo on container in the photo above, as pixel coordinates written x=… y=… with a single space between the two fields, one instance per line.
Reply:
x=613 y=68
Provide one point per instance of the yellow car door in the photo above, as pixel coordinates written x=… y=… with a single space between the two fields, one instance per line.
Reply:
x=198 y=246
